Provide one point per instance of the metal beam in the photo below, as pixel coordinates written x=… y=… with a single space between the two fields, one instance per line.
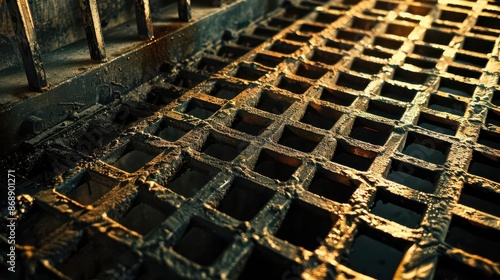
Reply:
x=95 y=39
x=28 y=45
x=143 y=18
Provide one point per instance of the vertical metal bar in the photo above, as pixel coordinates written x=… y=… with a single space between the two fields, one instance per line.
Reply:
x=28 y=45
x=143 y=17
x=184 y=8
x=93 y=29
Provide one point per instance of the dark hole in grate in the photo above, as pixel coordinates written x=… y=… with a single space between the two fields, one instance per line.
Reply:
x=296 y=37
x=350 y=36
x=211 y=65
x=338 y=45
x=366 y=256
x=470 y=60
x=351 y=81
x=310 y=71
x=294 y=12
x=437 y=37
x=447 y=105
x=383 y=5
x=145 y=214
x=337 y=97
x=325 y=17
x=397 y=209
x=412 y=176
x=129 y=115
x=487 y=32
x=363 y=66
x=132 y=160
x=249 y=41
x=325 y=57
x=231 y=52
x=202 y=245
x=410 y=76
x=332 y=186
x=199 y=109
x=190 y=179
x=293 y=85
x=489 y=138
x=418 y=10
x=87 y=187
x=426 y=148
x=263 y=263
x=308 y=28
x=268 y=60
x=90 y=259
x=244 y=199
x=250 y=123
x=447 y=268
x=487 y=166
x=480 y=198
x=299 y=140
x=463 y=72
x=265 y=32
x=353 y=157
x=276 y=166
x=299 y=216
x=370 y=131
x=452 y=16
x=350 y=2
x=425 y=64
x=489 y=22
x=478 y=45
x=225 y=90
x=493 y=118
x=363 y=24
x=400 y=30
x=474 y=239
x=437 y=124
x=385 y=110
x=249 y=73
x=284 y=48
x=377 y=53
x=169 y=131
x=387 y=43
x=163 y=95
x=319 y=116
x=427 y=51
x=221 y=149
x=279 y=22
x=398 y=92
x=38 y=226
x=188 y=79
x=456 y=87
x=273 y=103
x=407 y=19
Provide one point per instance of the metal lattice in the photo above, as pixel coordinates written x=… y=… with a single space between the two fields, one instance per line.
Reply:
x=334 y=139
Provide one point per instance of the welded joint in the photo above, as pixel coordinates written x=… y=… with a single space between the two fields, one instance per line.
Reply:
x=28 y=45
x=143 y=18
x=184 y=9
x=93 y=30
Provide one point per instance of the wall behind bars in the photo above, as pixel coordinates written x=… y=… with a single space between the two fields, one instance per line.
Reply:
x=59 y=23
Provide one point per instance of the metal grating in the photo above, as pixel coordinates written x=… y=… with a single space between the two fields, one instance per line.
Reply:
x=301 y=148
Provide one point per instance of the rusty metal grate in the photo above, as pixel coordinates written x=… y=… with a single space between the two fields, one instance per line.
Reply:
x=332 y=139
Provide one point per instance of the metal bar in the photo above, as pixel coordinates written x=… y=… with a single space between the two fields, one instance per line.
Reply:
x=28 y=45
x=93 y=29
x=143 y=17
x=184 y=8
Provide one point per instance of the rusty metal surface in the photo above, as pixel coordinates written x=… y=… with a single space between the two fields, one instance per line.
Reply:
x=28 y=45
x=332 y=140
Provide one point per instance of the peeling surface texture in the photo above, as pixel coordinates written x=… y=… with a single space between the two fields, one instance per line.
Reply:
x=333 y=139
